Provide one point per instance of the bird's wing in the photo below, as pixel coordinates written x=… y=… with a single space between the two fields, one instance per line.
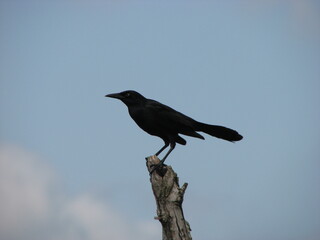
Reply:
x=173 y=120
x=168 y=114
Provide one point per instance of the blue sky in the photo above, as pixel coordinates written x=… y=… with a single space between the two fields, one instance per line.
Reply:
x=76 y=159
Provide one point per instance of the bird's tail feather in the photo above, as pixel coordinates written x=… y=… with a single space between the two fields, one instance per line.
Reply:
x=180 y=140
x=219 y=132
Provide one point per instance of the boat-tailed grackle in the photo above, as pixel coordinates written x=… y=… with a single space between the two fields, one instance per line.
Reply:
x=160 y=120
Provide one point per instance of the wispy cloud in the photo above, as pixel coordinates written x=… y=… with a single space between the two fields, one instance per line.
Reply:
x=32 y=208
x=304 y=15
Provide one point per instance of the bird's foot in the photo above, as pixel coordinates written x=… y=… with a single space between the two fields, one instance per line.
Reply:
x=159 y=167
x=155 y=164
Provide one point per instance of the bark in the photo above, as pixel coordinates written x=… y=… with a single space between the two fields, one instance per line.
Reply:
x=169 y=198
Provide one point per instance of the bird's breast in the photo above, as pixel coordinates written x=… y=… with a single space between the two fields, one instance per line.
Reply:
x=145 y=120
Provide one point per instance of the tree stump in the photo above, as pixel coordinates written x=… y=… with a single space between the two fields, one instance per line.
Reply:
x=169 y=198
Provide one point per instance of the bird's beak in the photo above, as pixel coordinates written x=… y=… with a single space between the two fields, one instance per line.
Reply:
x=114 y=95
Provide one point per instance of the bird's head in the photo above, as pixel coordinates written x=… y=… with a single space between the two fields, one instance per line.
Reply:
x=128 y=97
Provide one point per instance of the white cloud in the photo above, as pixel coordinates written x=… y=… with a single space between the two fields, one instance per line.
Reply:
x=32 y=208
x=23 y=190
x=96 y=219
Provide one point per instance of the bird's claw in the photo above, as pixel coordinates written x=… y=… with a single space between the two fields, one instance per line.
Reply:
x=159 y=166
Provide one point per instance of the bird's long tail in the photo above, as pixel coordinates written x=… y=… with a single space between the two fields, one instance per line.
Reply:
x=219 y=132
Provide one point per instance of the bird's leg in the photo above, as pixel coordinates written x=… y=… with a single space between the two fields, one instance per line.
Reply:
x=166 y=144
x=172 y=146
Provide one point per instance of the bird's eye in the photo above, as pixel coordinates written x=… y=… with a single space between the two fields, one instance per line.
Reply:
x=128 y=94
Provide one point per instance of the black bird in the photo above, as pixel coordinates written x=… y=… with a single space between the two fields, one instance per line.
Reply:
x=160 y=120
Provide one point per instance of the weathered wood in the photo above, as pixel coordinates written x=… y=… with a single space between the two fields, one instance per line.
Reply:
x=169 y=198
